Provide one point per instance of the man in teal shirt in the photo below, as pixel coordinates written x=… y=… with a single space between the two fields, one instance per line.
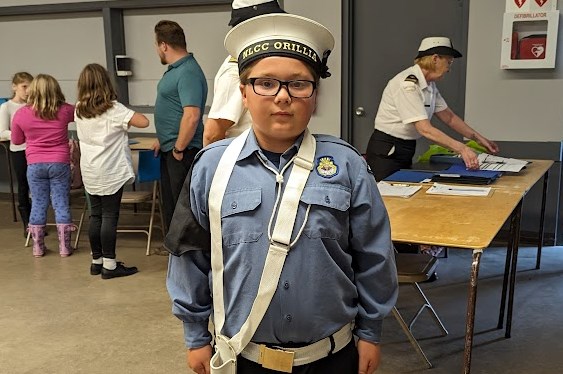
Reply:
x=180 y=102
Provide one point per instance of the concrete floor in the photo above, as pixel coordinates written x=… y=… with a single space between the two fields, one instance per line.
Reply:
x=57 y=318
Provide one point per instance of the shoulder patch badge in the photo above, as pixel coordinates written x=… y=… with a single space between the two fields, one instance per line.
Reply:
x=412 y=78
x=326 y=167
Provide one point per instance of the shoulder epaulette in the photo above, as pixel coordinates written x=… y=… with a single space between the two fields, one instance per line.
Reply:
x=412 y=78
x=233 y=60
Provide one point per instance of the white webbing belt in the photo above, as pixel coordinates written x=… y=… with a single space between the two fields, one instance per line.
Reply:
x=278 y=249
x=310 y=353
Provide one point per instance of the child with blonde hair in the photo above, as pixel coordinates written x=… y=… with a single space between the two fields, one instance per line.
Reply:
x=43 y=125
x=20 y=85
x=102 y=123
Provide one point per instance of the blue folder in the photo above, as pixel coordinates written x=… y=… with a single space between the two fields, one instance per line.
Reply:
x=412 y=176
x=463 y=171
x=459 y=174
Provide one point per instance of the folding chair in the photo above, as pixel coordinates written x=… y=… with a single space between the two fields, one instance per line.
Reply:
x=148 y=171
x=413 y=268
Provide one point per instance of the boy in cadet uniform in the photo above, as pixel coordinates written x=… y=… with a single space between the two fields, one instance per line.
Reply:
x=281 y=234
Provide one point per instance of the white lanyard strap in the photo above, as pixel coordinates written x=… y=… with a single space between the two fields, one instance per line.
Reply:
x=280 y=243
x=216 y=193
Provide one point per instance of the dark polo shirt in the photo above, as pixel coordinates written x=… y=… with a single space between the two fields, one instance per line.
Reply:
x=182 y=85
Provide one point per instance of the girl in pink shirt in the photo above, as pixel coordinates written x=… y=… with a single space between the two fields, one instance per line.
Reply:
x=43 y=125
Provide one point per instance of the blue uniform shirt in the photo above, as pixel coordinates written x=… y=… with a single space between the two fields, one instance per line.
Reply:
x=341 y=269
x=182 y=85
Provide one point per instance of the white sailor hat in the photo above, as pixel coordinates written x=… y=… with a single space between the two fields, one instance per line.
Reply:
x=246 y=9
x=437 y=45
x=281 y=34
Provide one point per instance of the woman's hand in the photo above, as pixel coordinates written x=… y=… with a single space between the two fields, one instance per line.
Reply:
x=198 y=359
x=469 y=158
x=491 y=146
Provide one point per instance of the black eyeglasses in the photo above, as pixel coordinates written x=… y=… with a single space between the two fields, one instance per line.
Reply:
x=301 y=89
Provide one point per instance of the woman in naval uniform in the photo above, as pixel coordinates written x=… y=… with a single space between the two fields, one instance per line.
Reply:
x=408 y=103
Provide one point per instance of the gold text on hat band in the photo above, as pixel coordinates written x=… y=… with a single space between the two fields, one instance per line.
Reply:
x=273 y=46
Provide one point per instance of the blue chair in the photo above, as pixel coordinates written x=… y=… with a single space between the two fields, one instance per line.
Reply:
x=148 y=171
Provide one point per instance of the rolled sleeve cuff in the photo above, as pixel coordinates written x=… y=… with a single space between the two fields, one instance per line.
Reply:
x=196 y=334
x=369 y=330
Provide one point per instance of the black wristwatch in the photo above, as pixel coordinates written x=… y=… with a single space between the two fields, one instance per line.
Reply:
x=176 y=150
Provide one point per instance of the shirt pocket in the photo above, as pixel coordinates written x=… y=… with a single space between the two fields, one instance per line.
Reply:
x=328 y=216
x=239 y=216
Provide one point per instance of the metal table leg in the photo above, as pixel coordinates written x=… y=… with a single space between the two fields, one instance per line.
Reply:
x=471 y=303
x=509 y=252
x=542 y=219
x=515 y=244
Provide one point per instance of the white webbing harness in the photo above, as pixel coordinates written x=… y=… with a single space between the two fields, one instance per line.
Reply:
x=224 y=359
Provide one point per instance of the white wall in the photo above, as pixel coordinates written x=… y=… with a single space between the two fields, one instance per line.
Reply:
x=509 y=105
x=62 y=45
x=40 y=2
x=205 y=29
x=59 y=46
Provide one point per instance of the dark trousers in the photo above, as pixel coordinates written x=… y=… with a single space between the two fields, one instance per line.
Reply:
x=172 y=176
x=378 y=156
x=104 y=214
x=19 y=162
x=344 y=361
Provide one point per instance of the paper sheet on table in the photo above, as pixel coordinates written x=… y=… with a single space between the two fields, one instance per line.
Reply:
x=490 y=162
x=448 y=189
x=395 y=189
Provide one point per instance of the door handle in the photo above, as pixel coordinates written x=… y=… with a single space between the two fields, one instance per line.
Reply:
x=360 y=111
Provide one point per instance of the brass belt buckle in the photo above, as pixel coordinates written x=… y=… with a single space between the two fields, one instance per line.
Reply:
x=276 y=359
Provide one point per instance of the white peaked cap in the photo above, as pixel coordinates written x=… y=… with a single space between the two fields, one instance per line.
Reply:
x=281 y=34
x=237 y=4
x=437 y=45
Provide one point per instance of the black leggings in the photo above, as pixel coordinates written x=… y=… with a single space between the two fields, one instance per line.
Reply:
x=104 y=214
x=379 y=159
x=19 y=163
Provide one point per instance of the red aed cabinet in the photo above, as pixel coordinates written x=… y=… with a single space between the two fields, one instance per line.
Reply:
x=532 y=47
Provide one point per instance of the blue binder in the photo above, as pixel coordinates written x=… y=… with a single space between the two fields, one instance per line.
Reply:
x=412 y=176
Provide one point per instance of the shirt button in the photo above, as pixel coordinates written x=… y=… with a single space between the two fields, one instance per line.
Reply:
x=327 y=199
x=286 y=285
x=288 y=317
x=234 y=205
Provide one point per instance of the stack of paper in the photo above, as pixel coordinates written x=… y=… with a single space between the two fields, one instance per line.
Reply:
x=395 y=189
x=490 y=162
x=445 y=189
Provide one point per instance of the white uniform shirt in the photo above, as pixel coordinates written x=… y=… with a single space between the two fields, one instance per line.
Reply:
x=405 y=101
x=7 y=111
x=227 y=99
x=105 y=160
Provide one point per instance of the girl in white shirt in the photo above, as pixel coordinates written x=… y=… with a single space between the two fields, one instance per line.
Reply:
x=105 y=163
x=20 y=85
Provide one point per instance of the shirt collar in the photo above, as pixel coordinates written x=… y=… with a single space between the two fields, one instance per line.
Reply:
x=421 y=80
x=180 y=61
x=252 y=147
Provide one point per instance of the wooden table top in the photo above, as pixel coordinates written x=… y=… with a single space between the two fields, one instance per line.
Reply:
x=526 y=178
x=450 y=221
x=460 y=221
x=142 y=143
